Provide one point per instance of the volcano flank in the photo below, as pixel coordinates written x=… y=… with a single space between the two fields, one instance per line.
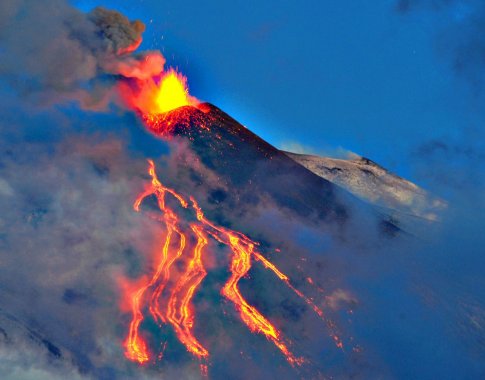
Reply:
x=249 y=172
x=252 y=167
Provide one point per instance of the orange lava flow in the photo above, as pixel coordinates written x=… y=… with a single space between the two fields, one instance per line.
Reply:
x=179 y=311
x=188 y=240
x=136 y=349
x=243 y=249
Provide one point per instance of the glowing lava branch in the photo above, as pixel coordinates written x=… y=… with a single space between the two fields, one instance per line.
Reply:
x=155 y=305
x=237 y=241
x=179 y=311
x=256 y=322
x=135 y=346
x=243 y=249
x=330 y=325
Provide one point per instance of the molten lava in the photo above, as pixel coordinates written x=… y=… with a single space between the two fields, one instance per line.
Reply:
x=156 y=96
x=172 y=93
x=169 y=299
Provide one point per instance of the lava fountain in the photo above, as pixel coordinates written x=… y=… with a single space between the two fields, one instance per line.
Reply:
x=155 y=97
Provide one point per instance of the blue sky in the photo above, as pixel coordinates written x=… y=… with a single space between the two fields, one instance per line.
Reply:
x=351 y=74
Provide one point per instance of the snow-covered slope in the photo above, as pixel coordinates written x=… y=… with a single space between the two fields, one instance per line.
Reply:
x=371 y=182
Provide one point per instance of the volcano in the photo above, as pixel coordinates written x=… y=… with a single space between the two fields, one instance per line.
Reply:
x=242 y=264
x=249 y=173
x=148 y=235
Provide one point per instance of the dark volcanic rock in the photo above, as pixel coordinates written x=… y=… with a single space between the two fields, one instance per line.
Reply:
x=251 y=167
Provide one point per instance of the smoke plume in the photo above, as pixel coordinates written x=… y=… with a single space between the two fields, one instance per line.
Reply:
x=51 y=52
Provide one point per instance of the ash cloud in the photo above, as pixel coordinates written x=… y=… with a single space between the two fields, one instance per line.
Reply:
x=51 y=52
x=122 y=35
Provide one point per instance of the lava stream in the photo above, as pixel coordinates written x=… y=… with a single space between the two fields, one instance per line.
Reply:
x=179 y=312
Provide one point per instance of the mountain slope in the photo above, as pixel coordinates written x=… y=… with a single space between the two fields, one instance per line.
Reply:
x=256 y=171
x=249 y=165
x=373 y=183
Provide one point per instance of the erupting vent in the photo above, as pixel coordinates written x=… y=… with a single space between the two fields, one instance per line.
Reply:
x=172 y=93
x=156 y=97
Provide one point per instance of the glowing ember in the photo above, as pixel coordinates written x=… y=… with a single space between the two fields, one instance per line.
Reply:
x=190 y=239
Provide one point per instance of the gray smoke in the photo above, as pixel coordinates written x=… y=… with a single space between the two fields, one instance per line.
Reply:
x=53 y=52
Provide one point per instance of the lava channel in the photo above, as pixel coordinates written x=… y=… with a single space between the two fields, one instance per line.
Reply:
x=179 y=311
